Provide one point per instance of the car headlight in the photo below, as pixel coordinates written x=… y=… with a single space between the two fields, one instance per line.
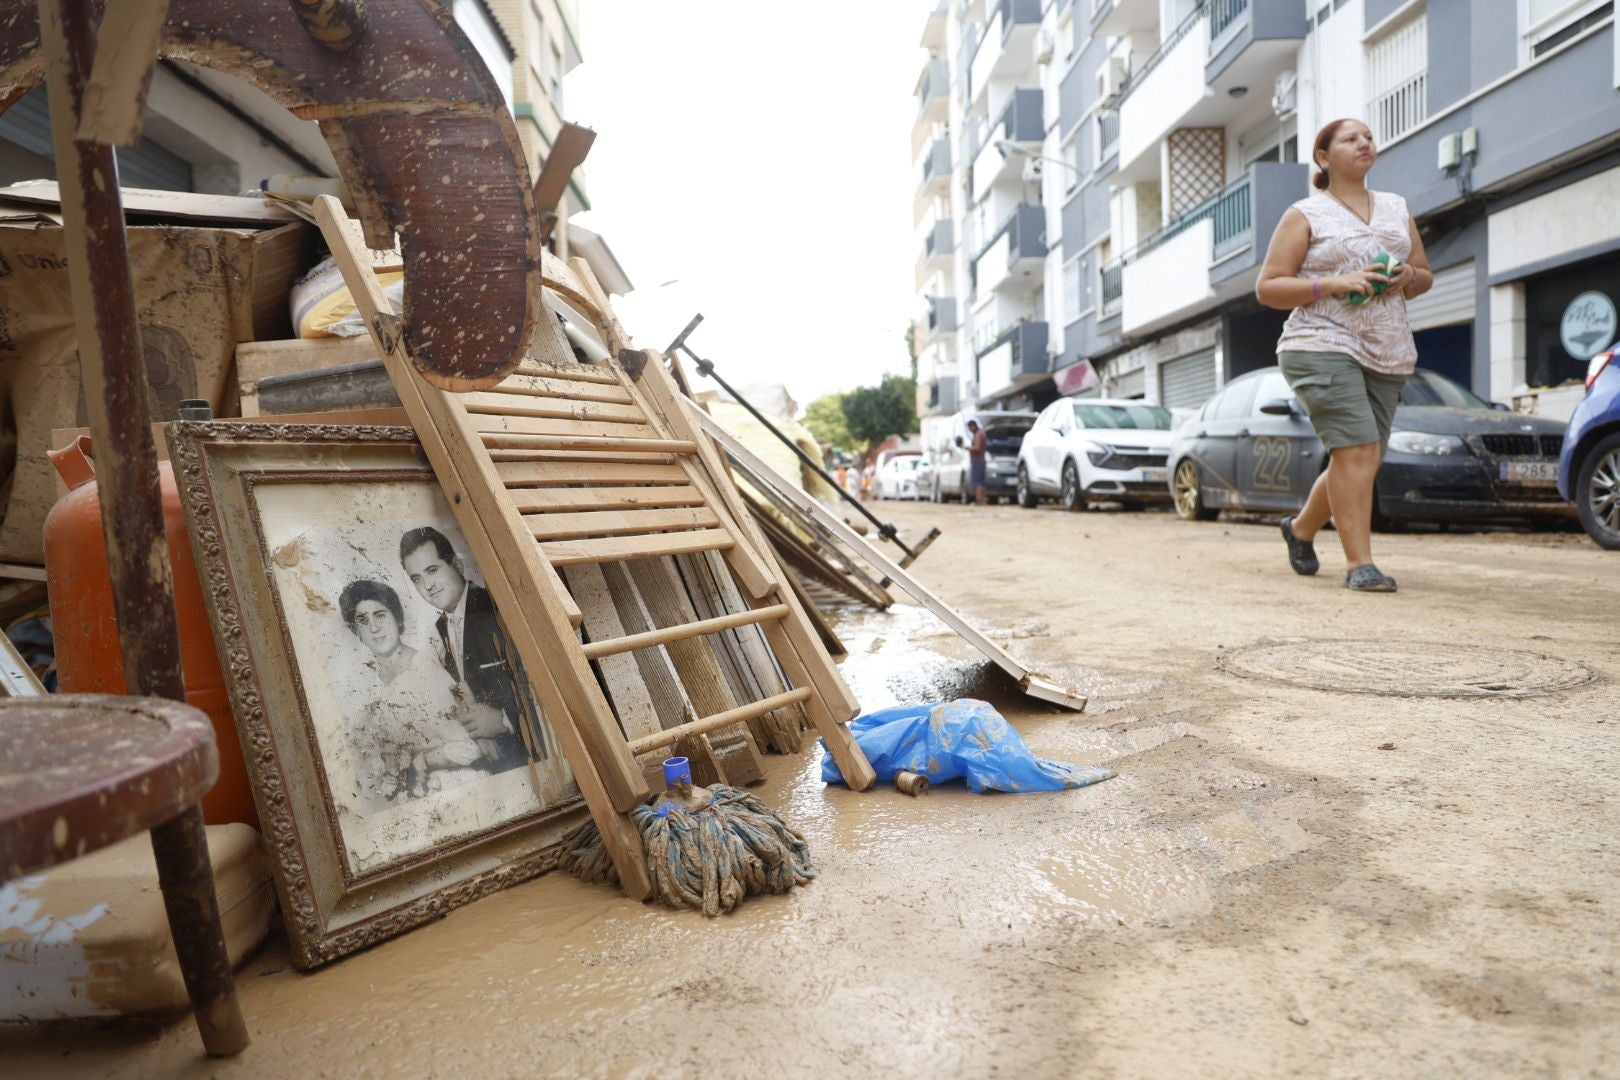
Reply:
x=1421 y=442
x=1099 y=455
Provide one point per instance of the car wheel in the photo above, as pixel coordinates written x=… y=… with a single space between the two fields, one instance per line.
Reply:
x=1597 y=493
x=1188 y=493
x=1026 y=497
x=1072 y=498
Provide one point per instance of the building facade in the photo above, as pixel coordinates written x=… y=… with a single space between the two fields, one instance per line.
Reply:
x=1176 y=133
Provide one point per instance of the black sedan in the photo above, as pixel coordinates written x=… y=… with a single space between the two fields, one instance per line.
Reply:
x=1452 y=456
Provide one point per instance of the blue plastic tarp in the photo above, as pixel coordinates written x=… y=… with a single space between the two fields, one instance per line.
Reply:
x=966 y=740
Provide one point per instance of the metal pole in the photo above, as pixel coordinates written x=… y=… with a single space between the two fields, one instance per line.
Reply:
x=114 y=383
x=705 y=368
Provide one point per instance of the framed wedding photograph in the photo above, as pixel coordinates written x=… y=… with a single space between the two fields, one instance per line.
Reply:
x=399 y=762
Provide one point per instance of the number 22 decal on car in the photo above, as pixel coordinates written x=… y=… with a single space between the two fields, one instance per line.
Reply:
x=1271 y=462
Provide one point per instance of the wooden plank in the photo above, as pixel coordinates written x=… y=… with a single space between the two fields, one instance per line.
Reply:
x=729 y=718
x=999 y=656
x=552 y=473
x=577 y=526
x=627 y=690
x=487 y=424
x=622 y=548
x=604 y=457
x=257 y=360
x=527 y=592
x=667 y=634
x=564 y=499
x=829 y=636
x=585 y=442
x=556 y=408
x=807 y=559
x=580 y=373
x=543 y=386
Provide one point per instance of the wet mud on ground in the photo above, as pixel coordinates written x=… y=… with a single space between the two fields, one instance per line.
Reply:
x=1282 y=880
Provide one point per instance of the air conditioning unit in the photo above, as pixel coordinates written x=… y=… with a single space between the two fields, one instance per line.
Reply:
x=1033 y=170
x=1285 y=96
x=1044 y=46
x=1450 y=155
x=1112 y=75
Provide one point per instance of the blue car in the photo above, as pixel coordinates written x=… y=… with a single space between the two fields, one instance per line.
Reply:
x=1589 y=467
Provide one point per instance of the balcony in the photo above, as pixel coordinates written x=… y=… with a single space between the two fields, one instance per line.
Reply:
x=1208 y=255
x=933 y=92
x=1252 y=41
x=936 y=167
x=1113 y=289
x=938 y=246
x=1006 y=49
x=1023 y=120
x=1012 y=258
x=1204 y=73
x=1116 y=18
x=1014 y=359
x=940 y=319
x=941 y=400
x=933 y=36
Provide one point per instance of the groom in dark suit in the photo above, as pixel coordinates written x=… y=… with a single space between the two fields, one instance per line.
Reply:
x=472 y=646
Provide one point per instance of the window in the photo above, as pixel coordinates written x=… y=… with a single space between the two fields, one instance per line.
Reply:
x=1234 y=401
x=1398 y=80
x=1546 y=24
x=1071 y=158
x=1134 y=417
x=1071 y=290
x=1272 y=387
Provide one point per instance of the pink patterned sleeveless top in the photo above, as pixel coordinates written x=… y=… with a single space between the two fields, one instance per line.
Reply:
x=1375 y=333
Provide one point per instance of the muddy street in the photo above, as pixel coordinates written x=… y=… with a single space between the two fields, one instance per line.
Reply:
x=1406 y=867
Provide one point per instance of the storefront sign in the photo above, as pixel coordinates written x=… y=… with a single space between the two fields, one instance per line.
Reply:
x=1075 y=378
x=1588 y=325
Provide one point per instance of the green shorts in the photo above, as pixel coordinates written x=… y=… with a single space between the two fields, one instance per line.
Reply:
x=1349 y=404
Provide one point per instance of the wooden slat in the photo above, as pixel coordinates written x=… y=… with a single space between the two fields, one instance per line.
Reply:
x=583 y=373
x=619 y=549
x=600 y=457
x=542 y=386
x=574 y=526
x=486 y=424
x=527 y=590
x=500 y=404
x=667 y=634
x=741 y=714
x=552 y=473
x=563 y=500
x=587 y=442
x=628 y=691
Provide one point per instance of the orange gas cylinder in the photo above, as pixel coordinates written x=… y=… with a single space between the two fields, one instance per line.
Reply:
x=88 y=657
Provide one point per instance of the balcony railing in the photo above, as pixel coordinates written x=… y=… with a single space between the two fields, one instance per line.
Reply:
x=1113 y=287
x=1028 y=342
x=1233 y=216
x=1107 y=133
x=1187 y=26
x=1022 y=120
x=938 y=161
x=1398 y=111
x=1016 y=12
x=1025 y=228
x=1223 y=14
x=940 y=240
x=941 y=314
x=936 y=83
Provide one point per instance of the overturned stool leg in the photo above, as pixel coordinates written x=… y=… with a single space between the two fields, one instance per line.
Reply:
x=187 y=878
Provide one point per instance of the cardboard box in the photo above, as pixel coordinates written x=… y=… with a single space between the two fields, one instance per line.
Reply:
x=201 y=290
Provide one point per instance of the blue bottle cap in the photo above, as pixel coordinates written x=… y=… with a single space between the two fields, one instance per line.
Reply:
x=677 y=770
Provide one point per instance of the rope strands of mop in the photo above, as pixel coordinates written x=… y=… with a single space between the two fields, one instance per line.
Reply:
x=708 y=859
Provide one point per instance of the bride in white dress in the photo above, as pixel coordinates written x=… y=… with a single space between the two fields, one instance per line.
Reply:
x=407 y=738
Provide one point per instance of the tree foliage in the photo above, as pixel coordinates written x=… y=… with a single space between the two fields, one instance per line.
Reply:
x=873 y=413
x=824 y=418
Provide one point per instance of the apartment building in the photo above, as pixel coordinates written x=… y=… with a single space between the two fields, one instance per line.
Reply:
x=1176 y=135
x=209 y=132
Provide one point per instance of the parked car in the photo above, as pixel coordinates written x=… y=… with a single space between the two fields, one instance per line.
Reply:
x=1095 y=449
x=897 y=477
x=1452 y=457
x=949 y=479
x=1589 y=467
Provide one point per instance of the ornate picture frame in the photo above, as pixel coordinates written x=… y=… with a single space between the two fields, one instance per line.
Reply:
x=398 y=762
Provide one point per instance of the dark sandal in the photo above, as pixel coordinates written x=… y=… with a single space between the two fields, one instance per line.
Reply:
x=1301 y=553
x=1368 y=578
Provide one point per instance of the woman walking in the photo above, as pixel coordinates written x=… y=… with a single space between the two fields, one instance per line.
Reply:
x=1347 y=348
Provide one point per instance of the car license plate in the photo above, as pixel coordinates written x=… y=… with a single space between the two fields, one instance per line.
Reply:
x=1155 y=476
x=1530 y=472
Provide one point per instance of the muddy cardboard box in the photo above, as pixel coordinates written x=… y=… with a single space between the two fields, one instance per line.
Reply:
x=200 y=288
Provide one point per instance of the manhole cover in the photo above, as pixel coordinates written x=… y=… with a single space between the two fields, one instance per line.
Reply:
x=1406 y=669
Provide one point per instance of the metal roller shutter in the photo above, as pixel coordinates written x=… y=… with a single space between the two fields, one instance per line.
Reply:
x=146 y=165
x=1131 y=384
x=1451 y=300
x=1188 y=381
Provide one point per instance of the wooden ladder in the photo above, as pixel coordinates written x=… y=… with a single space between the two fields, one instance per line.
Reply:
x=565 y=464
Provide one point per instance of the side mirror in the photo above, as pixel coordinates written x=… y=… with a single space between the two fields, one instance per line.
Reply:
x=1281 y=407
x=1499 y=407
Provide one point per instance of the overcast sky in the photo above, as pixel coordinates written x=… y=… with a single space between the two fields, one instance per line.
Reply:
x=758 y=155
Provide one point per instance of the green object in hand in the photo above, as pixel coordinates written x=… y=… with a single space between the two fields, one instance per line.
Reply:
x=1390 y=264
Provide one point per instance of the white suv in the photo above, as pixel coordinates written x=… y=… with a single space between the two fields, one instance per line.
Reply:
x=1094 y=450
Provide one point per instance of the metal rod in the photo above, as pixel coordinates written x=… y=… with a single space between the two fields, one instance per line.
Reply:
x=114 y=381
x=705 y=368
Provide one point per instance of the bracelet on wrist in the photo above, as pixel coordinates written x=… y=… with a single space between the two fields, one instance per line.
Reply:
x=1316 y=288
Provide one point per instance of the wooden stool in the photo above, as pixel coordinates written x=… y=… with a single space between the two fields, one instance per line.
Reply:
x=81 y=771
